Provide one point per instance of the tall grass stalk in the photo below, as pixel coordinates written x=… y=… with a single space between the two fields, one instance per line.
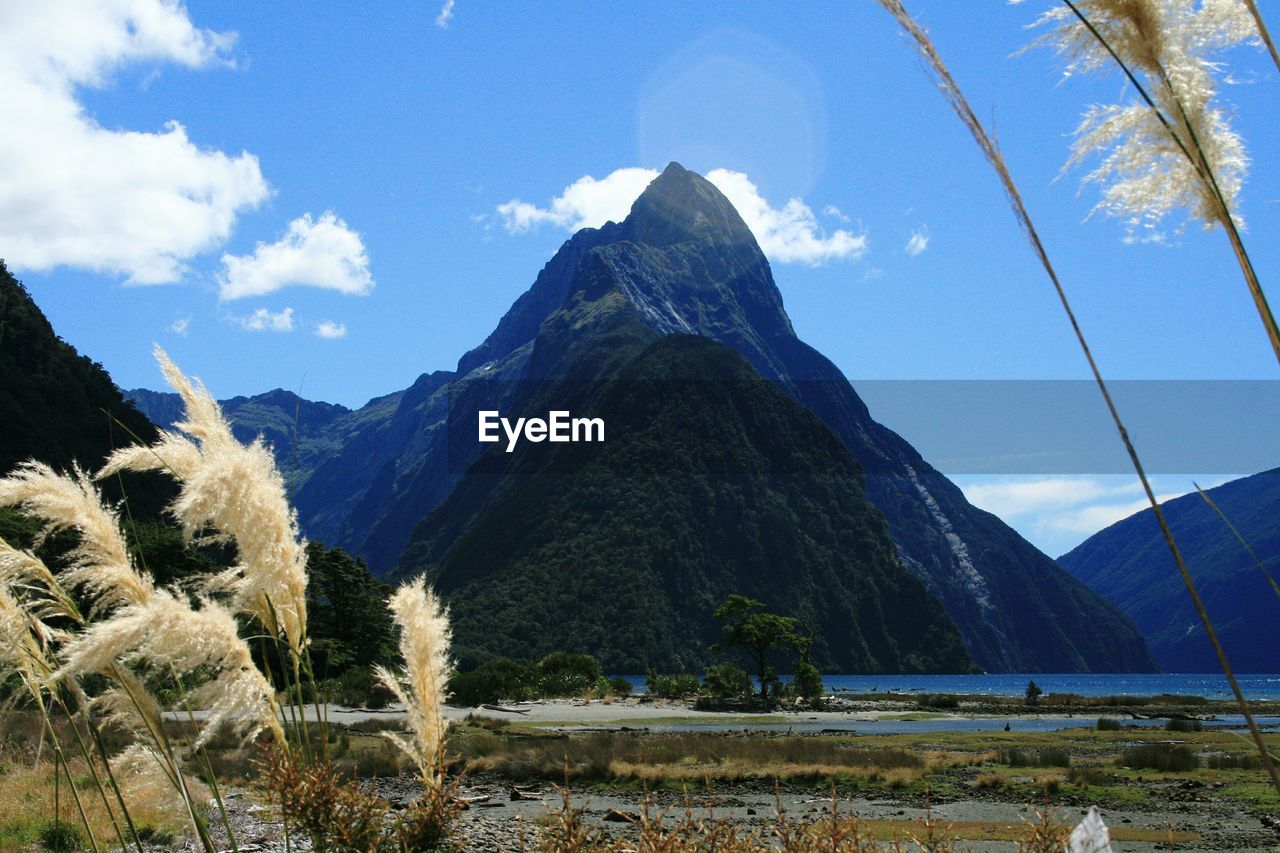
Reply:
x=149 y=715
x=23 y=653
x=1263 y=31
x=60 y=765
x=955 y=97
x=97 y=779
x=43 y=597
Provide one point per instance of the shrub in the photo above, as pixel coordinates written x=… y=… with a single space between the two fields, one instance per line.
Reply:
x=495 y=680
x=357 y=688
x=671 y=686
x=1035 y=758
x=726 y=681
x=1234 y=761
x=808 y=681
x=1108 y=724
x=565 y=674
x=1164 y=757
x=1033 y=694
x=58 y=836
x=1088 y=776
x=620 y=687
x=1182 y=725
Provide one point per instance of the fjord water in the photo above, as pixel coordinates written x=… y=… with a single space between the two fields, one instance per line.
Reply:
x=1207 y=685
x=1256 y=686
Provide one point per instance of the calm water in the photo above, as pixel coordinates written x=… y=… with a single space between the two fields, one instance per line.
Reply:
x=802 y=725
x=1255 y=686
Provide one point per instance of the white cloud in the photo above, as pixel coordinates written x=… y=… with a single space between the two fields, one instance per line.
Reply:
x=917 y=243
x=262 y=320
x=1061 y=509
x=179 y=327
x=832 y=210
x=129 y=202
x=446 y=14
x=330 y=330
x=323 y=253
x=586 y=203
x=789 y=234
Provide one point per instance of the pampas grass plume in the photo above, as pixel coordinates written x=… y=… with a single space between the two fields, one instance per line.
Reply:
x=166 y=633
x=1149 y=167
x=100 y=562
x=424 y=644
x=237 y=490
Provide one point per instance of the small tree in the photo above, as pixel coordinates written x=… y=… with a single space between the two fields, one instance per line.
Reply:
x=727 y=681
x=758 y=635
x=565 y=674
x=1033 y=693
x=808 y=681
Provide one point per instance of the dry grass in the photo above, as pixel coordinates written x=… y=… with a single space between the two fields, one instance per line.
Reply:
x=678 y=758
x=26 y=804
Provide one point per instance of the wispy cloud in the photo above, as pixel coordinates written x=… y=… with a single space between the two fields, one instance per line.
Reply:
x=330 y=330
x=322 y=253
x=137 y=203
x=917 y=243
x=446 y=15
x=262 y=320
x=180 y=326
x=1058 y=512
x=787 y=234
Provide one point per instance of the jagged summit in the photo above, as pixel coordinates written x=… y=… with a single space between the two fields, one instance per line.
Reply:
x=683 y=256
x=679 y=206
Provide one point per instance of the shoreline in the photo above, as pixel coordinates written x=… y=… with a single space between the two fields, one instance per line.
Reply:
x=882 y=713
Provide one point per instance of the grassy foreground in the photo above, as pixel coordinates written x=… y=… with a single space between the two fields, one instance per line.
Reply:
x=1170 y=779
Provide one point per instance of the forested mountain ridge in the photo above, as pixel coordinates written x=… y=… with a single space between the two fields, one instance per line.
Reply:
x=1130 y=563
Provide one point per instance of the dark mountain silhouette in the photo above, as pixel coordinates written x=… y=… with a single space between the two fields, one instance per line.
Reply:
x=60 y=407
x=1130 y=564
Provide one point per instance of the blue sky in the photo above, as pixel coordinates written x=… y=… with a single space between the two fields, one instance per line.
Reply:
x=333 y=200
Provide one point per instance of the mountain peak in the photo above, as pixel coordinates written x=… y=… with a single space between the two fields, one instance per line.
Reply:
x=679 y=206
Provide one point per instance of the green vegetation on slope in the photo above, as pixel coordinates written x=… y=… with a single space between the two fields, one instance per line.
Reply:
x=711 y=482
x=58 y=406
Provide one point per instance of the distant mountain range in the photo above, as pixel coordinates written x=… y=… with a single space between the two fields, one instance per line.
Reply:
x=1130 y=564
x=682 y=263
